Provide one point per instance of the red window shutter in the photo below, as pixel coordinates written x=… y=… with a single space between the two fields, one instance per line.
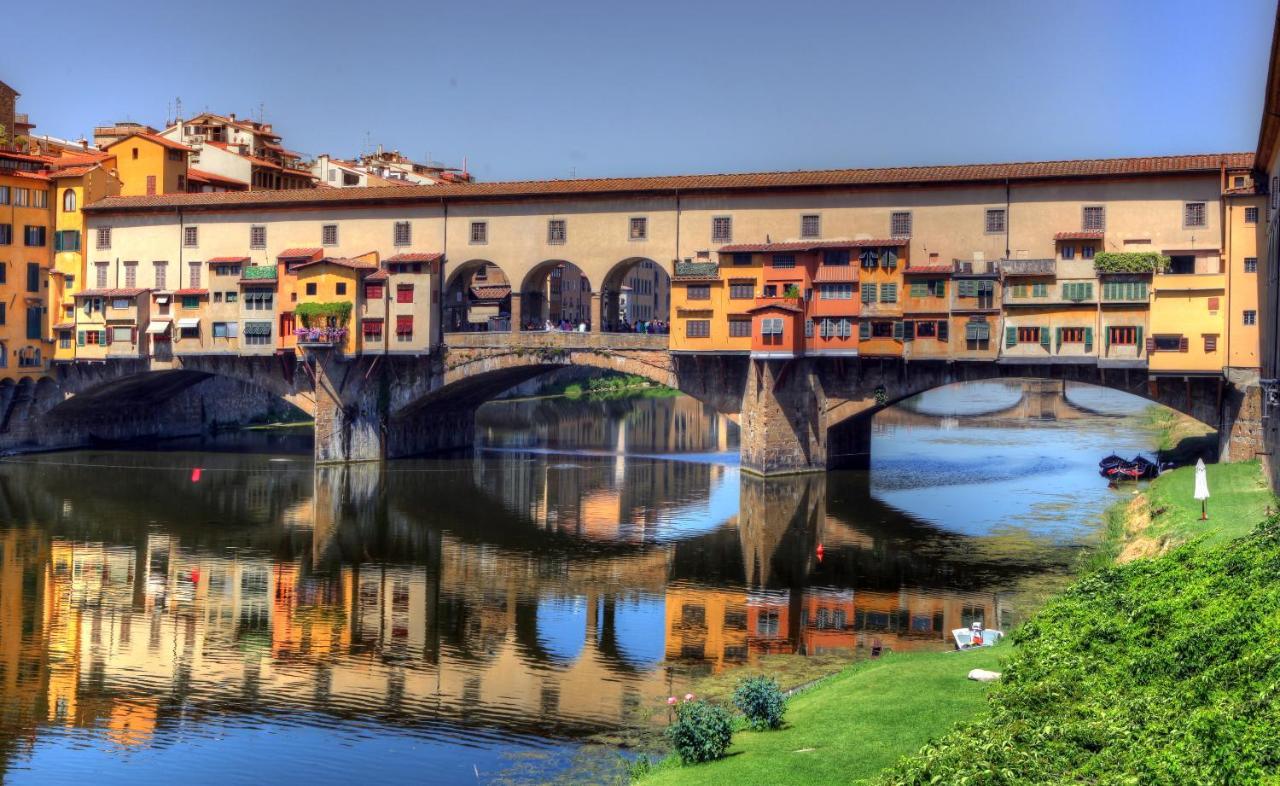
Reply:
x=1213 y=304
x=404 y=324
x=1211 y=343
x=373 y=292
x=372 y=327
x=404 y=293
x=1183 y=344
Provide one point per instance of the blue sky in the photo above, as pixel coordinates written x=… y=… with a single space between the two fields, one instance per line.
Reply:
x=546 y=89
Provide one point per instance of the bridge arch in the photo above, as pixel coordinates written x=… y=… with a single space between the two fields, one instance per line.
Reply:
x=636 y=289
x=555 y=291
x=477 y=298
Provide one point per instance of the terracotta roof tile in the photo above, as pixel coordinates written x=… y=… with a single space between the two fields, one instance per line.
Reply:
x=377 y=275
x=491 y=291
x=884 y=177
x=299 y=253
x=354 y=264
x=784 y=305
x=835 y=274
x=415 y=257
x=201 y=176
x=811 y=245
x=190 y=292
x=1079 y=236
x=131 y=292
x=159 y=140
x=73 y=171
x=227 y=260
x=929 y=267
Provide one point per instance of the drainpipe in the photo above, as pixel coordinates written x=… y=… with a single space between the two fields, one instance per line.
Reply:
x=1008 y=217
x=437 y=283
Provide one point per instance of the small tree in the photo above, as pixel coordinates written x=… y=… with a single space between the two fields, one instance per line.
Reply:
x=701 y=731
x=761 y=700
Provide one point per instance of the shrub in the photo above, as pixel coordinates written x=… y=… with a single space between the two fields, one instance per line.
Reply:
x=761 y=700
x=701 y=731
x=1130 y=262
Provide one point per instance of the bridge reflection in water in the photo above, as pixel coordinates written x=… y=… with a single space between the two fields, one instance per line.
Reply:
x=509 y=596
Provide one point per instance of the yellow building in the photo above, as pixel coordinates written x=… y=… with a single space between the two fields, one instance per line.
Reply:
x=330 y=281
x=1188 y=319
x=704 y=318
x=1245 y=242
x=77 y=181
x=26 y=254
x=148 y=164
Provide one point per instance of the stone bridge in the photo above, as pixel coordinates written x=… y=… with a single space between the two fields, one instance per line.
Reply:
x=796 y=415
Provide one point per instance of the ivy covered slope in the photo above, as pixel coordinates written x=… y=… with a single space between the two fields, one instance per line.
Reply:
x=1162 y=671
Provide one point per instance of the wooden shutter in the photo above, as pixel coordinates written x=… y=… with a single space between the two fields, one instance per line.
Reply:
x=908 y=331
x=1088 y=339
x=1057 y=338
x=1213 y=304
x=1151 y=344
x=1044 y=337
x=864 y=330
x=897 y=331
x=80 y=338
x=1010 y=336
x=1138 y=338
x=1211 y=343
x=944 y=330
x=1183 y=344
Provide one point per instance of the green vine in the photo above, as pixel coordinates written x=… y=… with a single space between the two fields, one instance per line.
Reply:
x=1130 y=262
x=339 y=312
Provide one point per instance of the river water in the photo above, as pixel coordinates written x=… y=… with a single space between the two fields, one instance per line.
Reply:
x=219 y=610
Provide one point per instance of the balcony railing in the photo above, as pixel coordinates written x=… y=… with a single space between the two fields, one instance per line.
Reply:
x=975 y=267
x=320 y=337
x=697 y=270
x=1028 y=267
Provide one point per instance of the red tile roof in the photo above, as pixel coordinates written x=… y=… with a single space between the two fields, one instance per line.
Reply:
x=299 y=253
x=131 y=292
x=811 y=245
x=354 y=264
x=73 y=171
x=190 y=292
x=227 y=260
x=415 y=257
x=780 y=304
x=159 y=140
x=929 y=267
x=835 y=274
x=834 y=178
x=200 y=176
x=1078 y=236
x=491 y=291
x=377 y=275
x=64 y=326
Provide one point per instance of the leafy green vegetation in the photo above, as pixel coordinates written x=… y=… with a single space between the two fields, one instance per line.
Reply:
x=701 y=731
x=852 y=726
x=316 y=314
x=1130 y=262
x=1157 y=671
x=761 y=702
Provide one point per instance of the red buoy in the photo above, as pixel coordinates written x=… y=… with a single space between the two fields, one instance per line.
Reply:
x=195 y=475
x=820 y=552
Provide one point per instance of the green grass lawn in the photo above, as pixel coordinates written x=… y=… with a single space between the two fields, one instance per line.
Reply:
x=849 y=728
x=1238 y=500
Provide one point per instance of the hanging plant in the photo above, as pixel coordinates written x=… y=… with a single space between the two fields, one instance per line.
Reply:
x=324 y=314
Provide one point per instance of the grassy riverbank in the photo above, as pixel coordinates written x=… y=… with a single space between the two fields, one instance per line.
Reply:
x=1159 y=669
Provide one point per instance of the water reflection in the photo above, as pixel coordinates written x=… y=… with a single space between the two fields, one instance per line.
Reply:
x=460 y=609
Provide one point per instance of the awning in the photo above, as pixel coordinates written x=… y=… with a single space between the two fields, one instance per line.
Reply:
x=481 y=313
x=836 y=274
x=257 y=328
x=190 y=322
x=158 y=327
x=162 y=298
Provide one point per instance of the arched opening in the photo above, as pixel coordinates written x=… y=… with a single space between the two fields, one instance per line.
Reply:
x=69 y=201
x=635 y=297
x=477 y=299
x=556 y=295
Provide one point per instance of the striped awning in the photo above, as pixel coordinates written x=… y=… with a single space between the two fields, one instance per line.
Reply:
x=257 y=328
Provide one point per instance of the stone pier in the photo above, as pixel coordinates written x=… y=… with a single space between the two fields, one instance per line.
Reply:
x=784 y=428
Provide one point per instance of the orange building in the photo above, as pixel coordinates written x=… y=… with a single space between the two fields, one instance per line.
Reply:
x=880 y=329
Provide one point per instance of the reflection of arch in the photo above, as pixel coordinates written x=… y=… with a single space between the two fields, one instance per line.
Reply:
x=632 y=632
x=556 y=291
x=562 y=627
x=637 y=289
x=477 y=297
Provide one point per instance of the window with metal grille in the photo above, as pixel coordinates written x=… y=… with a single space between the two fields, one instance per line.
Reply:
x=1251 y=264
x=1194 y=214
x=742 y=290
x=721 y=229
x=995 y=221
x=1251 y=215
x=698 y=292
x=1249 y=317
x=810 y=225
x=104 y=237
x=556 y=232
x=402 y=234
x=698 y=328
x=782 y=261
x=639 y=228
x=191 y=236
x=257 y=237
x=739 y=328
x=1094 y=218
x=193 y=275
x=329 y=235
x=1028 y=335
x=900 y=223
x=1071 y=335
x=1122 y=336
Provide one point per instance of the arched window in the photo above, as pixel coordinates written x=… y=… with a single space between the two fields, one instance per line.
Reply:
x=69 y=201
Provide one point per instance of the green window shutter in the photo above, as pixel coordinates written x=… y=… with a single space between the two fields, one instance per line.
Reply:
x=1010 y=336
x=1057 y=338
x=897 y=331
x=1044 y=337
x=889 y=293
x=919 y=289
x=1142 y=292
x=1106 y=338
x=1039 y=290
x=864 y=330
x=80 y=339
x=908 y=331
x=940 y=287
x=1138 y=339
x=1087 y=288
x=890 y=258
x=868 y=293
x=1088 y=339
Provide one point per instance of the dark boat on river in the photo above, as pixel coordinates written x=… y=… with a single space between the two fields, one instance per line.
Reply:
x=1115 y=468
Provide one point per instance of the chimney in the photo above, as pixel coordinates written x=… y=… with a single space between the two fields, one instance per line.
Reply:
x=233 y=116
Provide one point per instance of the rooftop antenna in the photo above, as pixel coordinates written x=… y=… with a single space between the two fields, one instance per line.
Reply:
x=573 y=172
x=177 y=112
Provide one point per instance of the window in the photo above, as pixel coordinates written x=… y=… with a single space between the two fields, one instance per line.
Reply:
x=190 y=301
x=373 y=291
x=932 y=287
x=258 y=300
x=769 y=290
x=257 y=237
x=1194 y=215
x=739 y=328
x=33 y=276
x=372 y=329
x=131 y=274
x=191 y=236
x=1068 y=252
x=151 y=185
x=6 y=234
x=69 y=201
x=64 y=339
x=39 y=198
x=404 y=293
x=104 y=237
x=698 y=328
x=835 y=291
x=479 y=232
x=4 y=195
x=900 y=224
x=1168 y=344
x=882 y=329
x=771 y=329
x=1210 y=342
x=21 y=197
x=834 y=327
x=977 y=334
x=329 y=235
x=232 y=297
x=1094 y=218
x=340 y=288
x=1122 y=336
x=869 y=292
x=1087 y=251
x=888 y=293
x=1251 y=215
x=66 y=240
x=404 y=327
x=1072 y=335
x=1028 y=335
x=739 y=290
x=257 y=333
x=100 y=273
x=810 y=226
x=1124 y=290
x=1237 y=181
x=639 y=228
x=721 y=229
x=1251 y=264
x=311 y=288
x=1213 y=304
x=34 y=236
x=1250 y=317
x=402 y=234
x=836 y=257
x=698 y=291
x=1077 y=291
x=995 y=221
x=226 y=329
x=780 y=261
x=161 y=273
x=557 y=232
x=193 y=275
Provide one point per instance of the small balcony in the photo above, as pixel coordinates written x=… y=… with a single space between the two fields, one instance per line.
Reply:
x=975 y=267
x=320 y=337
x=1028 y=267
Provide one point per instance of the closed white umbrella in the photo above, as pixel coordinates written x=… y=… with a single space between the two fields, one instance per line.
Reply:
x=1202 y=488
